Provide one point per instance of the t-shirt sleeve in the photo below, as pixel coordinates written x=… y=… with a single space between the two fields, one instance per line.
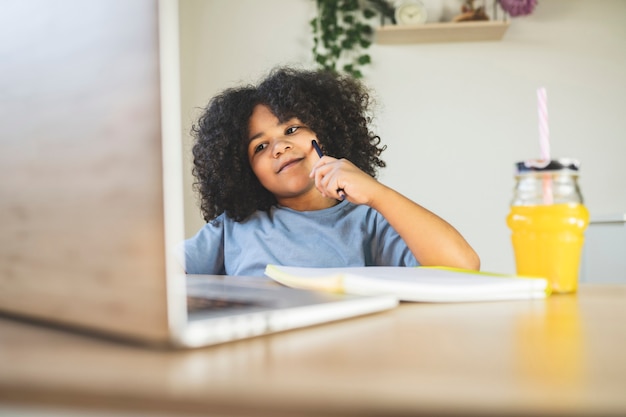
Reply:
x=390 y=248
x=204 y=253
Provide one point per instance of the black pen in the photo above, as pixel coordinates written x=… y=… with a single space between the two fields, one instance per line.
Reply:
x=317 y=148
x=340 y=191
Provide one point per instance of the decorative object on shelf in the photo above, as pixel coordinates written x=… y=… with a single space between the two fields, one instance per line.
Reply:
x=434 y=10
x=411 y=13
x=342 y=32
x=471 y=13
x=516 y=8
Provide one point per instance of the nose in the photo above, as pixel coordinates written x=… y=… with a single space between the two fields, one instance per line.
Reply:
x=280 y=146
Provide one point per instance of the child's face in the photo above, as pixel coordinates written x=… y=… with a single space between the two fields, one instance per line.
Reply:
x=281 y=154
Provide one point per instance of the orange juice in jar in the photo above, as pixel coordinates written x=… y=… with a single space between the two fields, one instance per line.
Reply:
x=547 y=221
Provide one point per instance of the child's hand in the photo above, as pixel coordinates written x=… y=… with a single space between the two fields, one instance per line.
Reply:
x=335 y=178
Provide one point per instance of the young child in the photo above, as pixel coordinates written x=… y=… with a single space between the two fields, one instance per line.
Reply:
x=268 y=197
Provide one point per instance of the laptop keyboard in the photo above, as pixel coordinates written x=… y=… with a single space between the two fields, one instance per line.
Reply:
x=195 y=304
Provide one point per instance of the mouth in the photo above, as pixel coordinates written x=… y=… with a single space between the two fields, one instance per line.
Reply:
x=287 y=164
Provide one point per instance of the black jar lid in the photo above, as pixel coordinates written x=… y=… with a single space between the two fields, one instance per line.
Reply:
x=541 y=165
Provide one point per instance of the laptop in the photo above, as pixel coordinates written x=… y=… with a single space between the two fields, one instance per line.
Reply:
x=91 y=203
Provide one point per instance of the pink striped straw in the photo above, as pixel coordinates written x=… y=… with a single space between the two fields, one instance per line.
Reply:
x=544 y=142
x=544 y=131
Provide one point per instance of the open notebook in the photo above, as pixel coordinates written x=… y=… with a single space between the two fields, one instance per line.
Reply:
x=91 y=186
x=412 y=284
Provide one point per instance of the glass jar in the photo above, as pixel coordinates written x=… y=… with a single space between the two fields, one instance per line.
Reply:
x=547 y=220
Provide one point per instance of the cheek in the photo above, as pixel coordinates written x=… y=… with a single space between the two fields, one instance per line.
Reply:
x=260 y=169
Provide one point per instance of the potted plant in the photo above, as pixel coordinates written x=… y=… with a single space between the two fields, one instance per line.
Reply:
x=342 y=33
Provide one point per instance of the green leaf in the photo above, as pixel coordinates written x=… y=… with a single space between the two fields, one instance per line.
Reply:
x=364 y=59
x=369 y=13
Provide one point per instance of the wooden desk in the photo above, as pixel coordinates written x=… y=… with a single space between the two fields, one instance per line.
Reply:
x=562 y=356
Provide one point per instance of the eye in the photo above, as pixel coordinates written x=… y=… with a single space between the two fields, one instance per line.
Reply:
x=291 y=130
x=258 y=148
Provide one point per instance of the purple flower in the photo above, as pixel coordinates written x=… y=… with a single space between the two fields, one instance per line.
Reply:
x=518 y=7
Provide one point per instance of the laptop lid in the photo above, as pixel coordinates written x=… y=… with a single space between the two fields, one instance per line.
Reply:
x=81 y=167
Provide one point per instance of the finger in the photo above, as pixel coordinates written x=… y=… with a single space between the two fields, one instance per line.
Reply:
x=325 y=185
x=326 y=182
x=320 y=163
x=330 y=185
x=321 y=180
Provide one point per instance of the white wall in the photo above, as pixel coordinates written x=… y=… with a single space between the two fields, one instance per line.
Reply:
x=455 y=116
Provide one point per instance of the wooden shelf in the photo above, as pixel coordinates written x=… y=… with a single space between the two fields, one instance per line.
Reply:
x=442 y=32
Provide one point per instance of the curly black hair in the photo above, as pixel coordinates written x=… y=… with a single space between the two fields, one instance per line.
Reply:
x=335 y=107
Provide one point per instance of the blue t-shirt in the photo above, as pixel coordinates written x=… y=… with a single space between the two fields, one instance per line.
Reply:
x=340 y=236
